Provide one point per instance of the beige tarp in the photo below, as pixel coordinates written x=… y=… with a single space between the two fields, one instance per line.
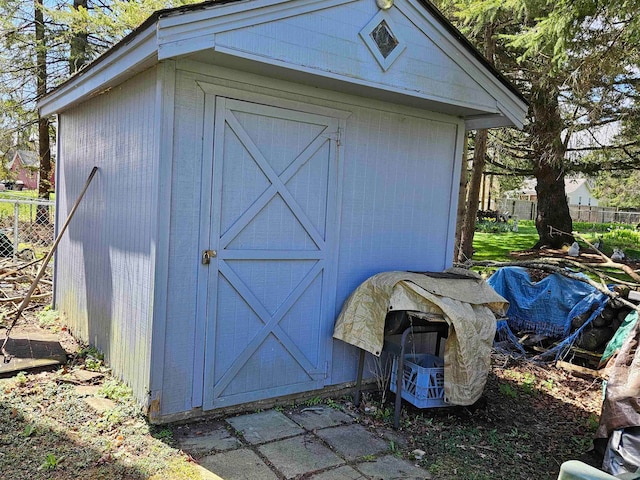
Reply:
x=467 y=304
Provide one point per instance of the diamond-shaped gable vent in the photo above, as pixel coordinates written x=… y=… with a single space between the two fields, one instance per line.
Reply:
x=384 y=39
x=378 y=35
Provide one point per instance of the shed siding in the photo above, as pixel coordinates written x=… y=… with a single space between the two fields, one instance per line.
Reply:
x=328 y=40
x=396 y=204
x=104 y=269
x=395 y=213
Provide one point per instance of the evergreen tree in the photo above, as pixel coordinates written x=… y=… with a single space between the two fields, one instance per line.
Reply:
x=577 y=64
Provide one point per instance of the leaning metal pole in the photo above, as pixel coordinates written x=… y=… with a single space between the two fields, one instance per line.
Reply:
x=45 y=262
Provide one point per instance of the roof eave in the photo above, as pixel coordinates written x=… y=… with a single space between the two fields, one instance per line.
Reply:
x=478 y=122
x=107 y=71
x=472 y=49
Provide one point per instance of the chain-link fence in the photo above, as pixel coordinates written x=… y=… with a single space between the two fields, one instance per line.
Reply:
x=26 y=236
x=26 y=227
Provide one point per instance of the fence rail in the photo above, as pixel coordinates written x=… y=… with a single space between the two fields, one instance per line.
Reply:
x=527 y=210
x=602 y=215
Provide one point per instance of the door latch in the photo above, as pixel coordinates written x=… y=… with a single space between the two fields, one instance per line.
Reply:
x=207 y=255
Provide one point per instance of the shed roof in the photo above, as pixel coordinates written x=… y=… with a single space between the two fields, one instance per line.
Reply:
x=158 y=38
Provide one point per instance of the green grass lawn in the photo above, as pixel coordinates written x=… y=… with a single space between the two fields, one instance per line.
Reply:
x=498 y=245
x=26 y=213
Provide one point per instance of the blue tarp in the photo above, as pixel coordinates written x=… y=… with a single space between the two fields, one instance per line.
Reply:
x=548 y=306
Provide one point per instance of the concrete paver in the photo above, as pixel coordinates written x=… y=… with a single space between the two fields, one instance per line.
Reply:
x=298 y=455
x=99 y=404
x=264 y=426
x=353 y=441
x=241 y=464
x=393 y=436
x=341 y=473
x=86 y=390
x=390 y=467
x=84 y=376
x=31 y=351
x=205 y=474
x=217 y=438
x=314 y=418
x=273 y=446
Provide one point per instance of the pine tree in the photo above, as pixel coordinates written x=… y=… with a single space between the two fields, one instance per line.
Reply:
x=575 y=61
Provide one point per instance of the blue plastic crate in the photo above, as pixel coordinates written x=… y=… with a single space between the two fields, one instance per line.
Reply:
x=422 y=380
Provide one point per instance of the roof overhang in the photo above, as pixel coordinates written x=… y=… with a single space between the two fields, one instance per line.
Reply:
x=109 y=70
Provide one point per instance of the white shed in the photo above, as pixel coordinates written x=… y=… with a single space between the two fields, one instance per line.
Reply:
x=257 y=161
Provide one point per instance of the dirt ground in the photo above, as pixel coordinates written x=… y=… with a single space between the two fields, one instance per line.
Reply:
x=530 y=420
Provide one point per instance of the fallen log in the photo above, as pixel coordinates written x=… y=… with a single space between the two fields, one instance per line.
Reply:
x=581 y=371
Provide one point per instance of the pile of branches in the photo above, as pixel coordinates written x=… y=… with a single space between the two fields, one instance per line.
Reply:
x=16 y=277
x=599 y=271
x=571 y=268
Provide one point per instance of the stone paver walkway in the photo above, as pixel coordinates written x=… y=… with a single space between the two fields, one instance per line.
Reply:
x=31 y=351
x=318 y=443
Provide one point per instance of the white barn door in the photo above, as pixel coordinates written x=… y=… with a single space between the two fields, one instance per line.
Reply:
x=270 y=299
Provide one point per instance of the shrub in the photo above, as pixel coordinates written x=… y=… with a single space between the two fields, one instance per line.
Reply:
x=493 y=227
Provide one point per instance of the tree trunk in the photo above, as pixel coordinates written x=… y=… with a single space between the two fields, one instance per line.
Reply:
x=553 y=220
x=469 y=225
x=44 y=147
x=553 y=212
x=462 y=196
x=78 y=46
x=468 y=229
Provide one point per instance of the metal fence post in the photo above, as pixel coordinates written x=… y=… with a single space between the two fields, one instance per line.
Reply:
x=16 y=240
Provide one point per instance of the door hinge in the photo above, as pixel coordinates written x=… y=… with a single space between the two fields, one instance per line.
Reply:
x=335 y=136
x=326 y=369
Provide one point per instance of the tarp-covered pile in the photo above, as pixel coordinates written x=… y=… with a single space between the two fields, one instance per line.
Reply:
x=466 y=303
x=618 y=435
x=551 y=307
x=547 y=307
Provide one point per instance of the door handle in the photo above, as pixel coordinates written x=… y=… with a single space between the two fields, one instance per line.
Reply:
x=207 y=255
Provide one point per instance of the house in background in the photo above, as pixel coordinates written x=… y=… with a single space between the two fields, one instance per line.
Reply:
x=258 y=160
x=577 y=191
x=24 y=170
